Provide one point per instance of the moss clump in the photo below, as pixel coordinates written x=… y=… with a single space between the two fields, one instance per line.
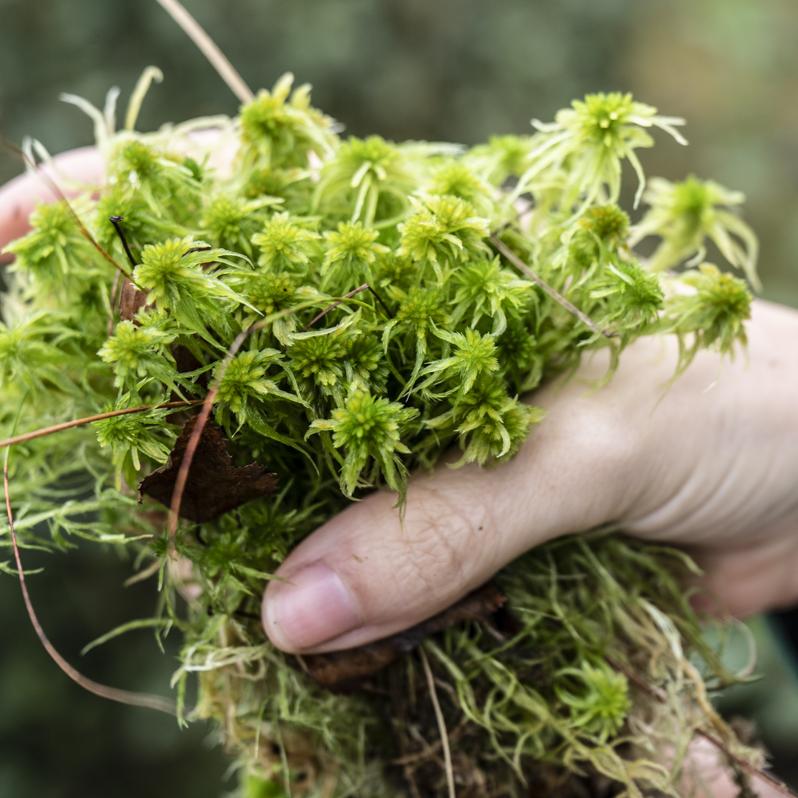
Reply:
x=379 y=322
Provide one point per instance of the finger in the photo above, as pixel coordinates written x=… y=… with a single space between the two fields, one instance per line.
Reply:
x=370 y=572
x=707 y=775
x=741 y=580
x=20 y=196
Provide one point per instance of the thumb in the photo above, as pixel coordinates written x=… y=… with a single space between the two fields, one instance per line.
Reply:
x=373 y=571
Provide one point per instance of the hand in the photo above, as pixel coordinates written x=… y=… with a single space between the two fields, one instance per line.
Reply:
x=709 y=462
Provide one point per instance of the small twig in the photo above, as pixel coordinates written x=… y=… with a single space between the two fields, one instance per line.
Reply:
x=54 y=187
x=157 y=703
x=338 y=302
x=333 y=305
x=380 y=300
x=188 y=458
x=196 y=435
x=771 y=781
x=79 y=422
x=116 y=221
x=430 y=749
x=201 y=423
x=433 y=694
x=548 y=289
x=522 y=212
x=217 y=59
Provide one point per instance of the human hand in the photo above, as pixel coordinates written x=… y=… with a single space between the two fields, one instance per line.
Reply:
x=708 y=462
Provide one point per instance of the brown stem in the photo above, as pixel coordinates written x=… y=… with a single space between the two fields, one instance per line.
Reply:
x=54 y=187
x=79 y=422
x=209 y=49
x=196 y=434
x=157 y=703
x=338 y=302
x=522 y=267
x=116 y=221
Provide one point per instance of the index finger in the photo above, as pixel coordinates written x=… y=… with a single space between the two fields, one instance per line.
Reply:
x=20 y=196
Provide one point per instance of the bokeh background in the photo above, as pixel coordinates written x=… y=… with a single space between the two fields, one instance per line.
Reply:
x=457 y=70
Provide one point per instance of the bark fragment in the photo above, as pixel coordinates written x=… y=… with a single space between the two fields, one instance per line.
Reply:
x=131 y=300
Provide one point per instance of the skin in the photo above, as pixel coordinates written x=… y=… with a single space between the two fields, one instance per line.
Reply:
x=708 y=462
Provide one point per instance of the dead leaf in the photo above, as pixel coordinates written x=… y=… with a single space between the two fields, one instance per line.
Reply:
x=342 y=669
x=215 y=485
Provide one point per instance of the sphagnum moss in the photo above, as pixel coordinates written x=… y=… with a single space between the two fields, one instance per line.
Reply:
x=389 y=327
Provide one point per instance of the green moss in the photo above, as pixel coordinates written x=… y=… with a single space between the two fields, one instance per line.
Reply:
x=343 y=388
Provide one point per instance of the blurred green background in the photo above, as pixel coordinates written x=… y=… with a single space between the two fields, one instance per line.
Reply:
x=449 y=69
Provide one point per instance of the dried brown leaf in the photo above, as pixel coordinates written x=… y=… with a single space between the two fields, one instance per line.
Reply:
x=215 y=485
